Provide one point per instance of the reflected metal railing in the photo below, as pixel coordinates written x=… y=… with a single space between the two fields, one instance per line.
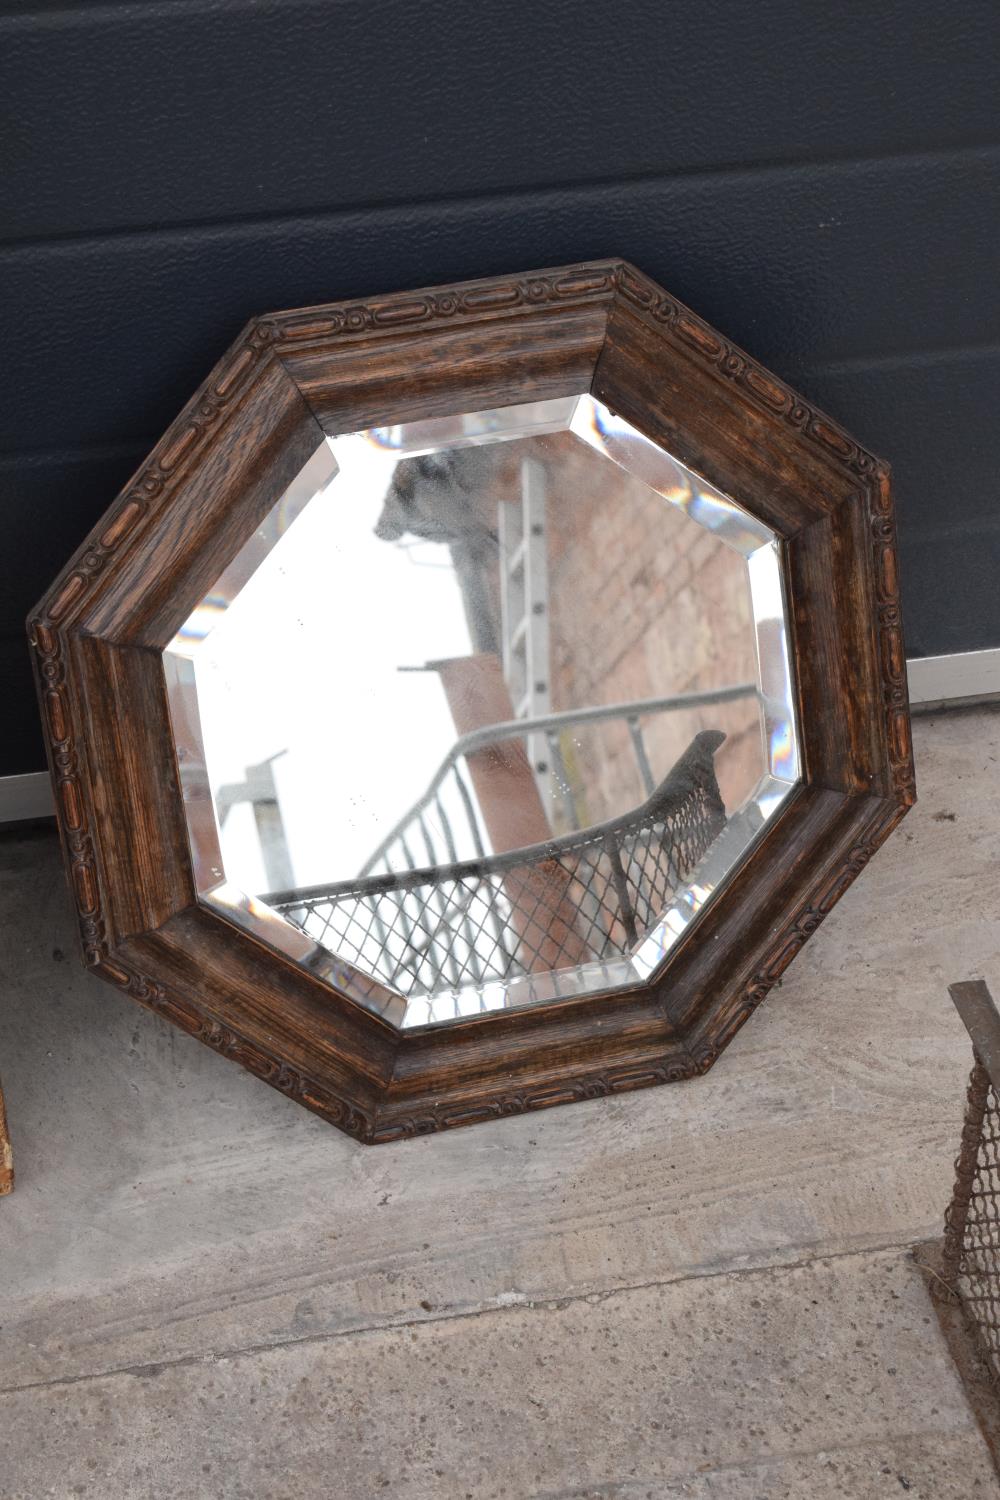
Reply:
x=439 y=922
x=584 y=897
x=395 y=851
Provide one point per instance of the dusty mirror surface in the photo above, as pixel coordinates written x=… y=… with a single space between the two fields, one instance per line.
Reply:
x=485 y=712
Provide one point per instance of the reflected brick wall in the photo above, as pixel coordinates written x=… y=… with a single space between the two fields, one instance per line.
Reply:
x=644 y=603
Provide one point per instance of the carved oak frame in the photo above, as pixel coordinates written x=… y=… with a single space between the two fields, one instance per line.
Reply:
x=98 y=633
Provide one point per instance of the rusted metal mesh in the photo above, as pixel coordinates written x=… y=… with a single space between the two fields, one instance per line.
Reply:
x=971 y=1258
x=584 y=897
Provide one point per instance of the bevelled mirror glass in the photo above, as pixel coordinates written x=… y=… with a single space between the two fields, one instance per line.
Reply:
x=486 y=711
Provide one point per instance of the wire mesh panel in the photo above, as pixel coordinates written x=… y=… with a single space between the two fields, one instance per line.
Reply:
x=971 y=1260
x=583 y=897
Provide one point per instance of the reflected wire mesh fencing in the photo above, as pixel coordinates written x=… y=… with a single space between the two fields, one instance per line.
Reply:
x=586 y=896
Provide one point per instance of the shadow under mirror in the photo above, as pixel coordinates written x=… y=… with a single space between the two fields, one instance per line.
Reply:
x=486 y=711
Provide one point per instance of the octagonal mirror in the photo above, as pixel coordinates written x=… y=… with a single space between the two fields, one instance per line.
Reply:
x=486 y=711
x=477 y=699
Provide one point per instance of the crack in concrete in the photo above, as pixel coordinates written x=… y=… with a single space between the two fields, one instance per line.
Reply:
x=152 y=1368
x=621 y=1489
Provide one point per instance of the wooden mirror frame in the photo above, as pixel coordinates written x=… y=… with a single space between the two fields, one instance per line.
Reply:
x=98 y=634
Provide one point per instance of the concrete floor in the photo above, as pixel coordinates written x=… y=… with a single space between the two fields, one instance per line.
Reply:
x=704 y=1290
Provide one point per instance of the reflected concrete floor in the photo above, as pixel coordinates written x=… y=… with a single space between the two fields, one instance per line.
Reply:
x=703 y=1290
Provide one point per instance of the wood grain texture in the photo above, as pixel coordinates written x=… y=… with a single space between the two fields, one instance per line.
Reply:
x=221 y=479
x=601 y=327
x=414 y=376
x=6 y=1154
x=130 y=750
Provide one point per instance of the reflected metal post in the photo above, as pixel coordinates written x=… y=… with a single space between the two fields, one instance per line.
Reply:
x=524 y=607
x=641 y=758
x=260 y=791
x=544 y=916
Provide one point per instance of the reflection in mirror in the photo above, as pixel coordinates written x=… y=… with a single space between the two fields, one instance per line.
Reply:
x=485 y=711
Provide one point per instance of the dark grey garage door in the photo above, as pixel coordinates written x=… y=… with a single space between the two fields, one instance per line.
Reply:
x=822 y=181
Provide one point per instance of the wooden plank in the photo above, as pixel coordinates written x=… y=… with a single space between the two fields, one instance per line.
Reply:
x=6 y=1154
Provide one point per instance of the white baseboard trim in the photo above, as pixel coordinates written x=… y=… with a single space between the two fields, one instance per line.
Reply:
x=965 y=677
x=28 y=796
